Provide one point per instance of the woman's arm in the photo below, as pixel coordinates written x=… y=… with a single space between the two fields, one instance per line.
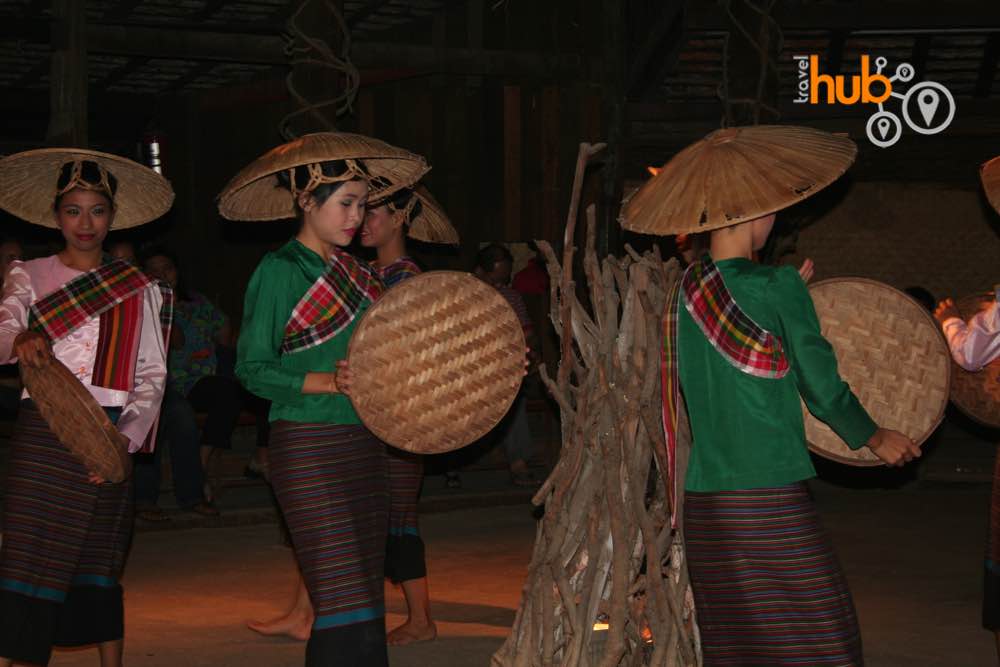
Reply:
x=814 y=364
x=258 y=357
x=973 y=344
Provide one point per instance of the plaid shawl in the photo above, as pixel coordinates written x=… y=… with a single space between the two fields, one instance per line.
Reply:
x=113 y=293
x=332 y=302
x=731 y=332
x=400 y=270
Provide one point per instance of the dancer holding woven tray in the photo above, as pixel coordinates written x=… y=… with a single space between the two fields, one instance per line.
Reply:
x=974 y=345
x=328 y=471
x=67 y=530
x=743 y=343
x=387 y=223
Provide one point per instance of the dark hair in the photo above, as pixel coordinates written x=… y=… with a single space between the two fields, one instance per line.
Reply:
x=491 y=255
x=923 y=297
x=89 y=172
x=322 y=192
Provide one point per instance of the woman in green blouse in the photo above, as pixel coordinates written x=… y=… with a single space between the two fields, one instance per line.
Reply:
x=328 y=471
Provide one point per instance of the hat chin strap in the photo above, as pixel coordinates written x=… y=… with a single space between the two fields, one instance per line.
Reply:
x=318 y=178
x=76 y=181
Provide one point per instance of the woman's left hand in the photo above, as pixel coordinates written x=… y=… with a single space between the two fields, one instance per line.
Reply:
x=94 y=478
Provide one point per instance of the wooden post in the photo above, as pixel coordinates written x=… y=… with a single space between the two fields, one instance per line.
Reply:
x=614 y=75
x=511 y=163
x=551 y=203
x=68 y=86
x=752 y=80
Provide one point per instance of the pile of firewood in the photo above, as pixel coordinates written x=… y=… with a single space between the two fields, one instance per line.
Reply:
x=608 y=582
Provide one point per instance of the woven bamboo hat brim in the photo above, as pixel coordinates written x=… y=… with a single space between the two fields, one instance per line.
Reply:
x=977 y=394
x=431 y=225
x=892 y=354
x=736 y=175
x=437 y=362
x=28 y=186
x=990 y=175
x=254 y=193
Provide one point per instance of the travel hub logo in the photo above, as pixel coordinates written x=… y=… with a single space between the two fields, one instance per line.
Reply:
x=927 y=107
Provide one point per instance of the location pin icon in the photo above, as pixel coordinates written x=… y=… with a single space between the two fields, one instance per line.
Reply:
x=928 y=102
x=883 y=127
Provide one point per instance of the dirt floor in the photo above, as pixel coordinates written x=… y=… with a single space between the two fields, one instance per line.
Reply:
x=913 y=558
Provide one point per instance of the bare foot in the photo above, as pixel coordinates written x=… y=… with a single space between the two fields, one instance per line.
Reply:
x=412 y=633
x=296 y=625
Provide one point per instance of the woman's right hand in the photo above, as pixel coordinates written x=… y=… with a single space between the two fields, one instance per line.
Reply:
x=32 y=349
x=893 y=447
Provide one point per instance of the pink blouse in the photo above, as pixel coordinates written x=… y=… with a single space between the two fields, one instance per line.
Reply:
x=27 y=282
x=977 y=343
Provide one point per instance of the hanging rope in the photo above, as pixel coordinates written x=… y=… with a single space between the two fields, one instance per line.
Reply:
x=306 y=51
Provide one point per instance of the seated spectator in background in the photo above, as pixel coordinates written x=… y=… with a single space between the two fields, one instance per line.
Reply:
x=493 y=266
x=533 y=279
x=193 y=384
x=124 y=250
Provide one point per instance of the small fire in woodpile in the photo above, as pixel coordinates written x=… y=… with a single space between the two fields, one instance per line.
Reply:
x=654 y=170
x=602 y=626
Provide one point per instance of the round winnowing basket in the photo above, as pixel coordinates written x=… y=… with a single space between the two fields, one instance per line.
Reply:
x=79 y=422
x=436 y=362
x=892 y=354
x=977 y=394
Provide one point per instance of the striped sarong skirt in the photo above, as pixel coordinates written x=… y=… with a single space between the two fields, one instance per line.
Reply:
x=64 y=548
x=404 y=551
x=332 y=485
x=768 y=588
x=991 y=574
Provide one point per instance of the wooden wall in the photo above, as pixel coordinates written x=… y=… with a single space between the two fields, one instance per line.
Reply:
x=502 y=148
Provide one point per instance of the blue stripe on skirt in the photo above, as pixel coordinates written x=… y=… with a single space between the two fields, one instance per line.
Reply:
x=768 y=588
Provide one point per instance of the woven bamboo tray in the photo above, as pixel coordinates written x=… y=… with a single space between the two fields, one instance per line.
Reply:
x=891 y=352
x=977 y=394
x=437 y=362
x=77 y=420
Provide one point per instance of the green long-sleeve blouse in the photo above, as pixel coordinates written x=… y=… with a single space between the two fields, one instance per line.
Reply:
x=748 y=432
x=281 y=279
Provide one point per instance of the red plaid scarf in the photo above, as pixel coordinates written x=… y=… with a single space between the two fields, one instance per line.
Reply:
x=731 y=332
x=332 y=302
x=112 y=292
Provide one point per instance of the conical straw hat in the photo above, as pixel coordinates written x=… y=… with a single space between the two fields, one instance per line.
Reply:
x=431 y=224
x=735 y=175
x=29 y=183
x=254 y=193
x=990 y=175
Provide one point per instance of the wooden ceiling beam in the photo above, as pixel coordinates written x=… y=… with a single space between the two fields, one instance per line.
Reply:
x=121 y=11
x=858 y=15
x=269 y=50
x=368 y=10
